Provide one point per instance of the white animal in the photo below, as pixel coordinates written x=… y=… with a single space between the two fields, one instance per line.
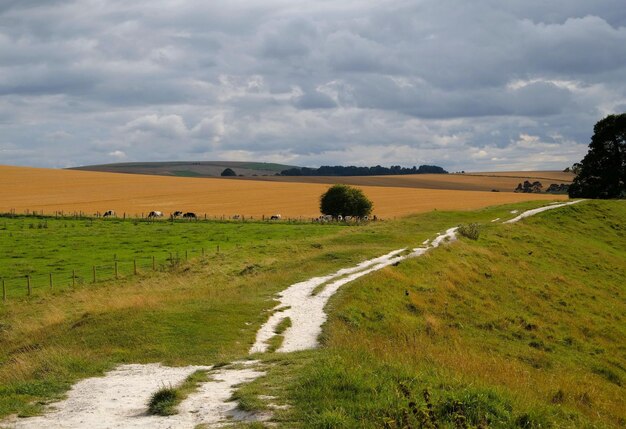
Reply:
x=109 y=213
x=276 y=217
x=155 y=214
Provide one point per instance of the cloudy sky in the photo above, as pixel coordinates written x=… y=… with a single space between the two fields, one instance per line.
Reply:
x=472 y=85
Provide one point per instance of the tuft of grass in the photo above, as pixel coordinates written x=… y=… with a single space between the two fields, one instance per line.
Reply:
x=277 y=340
x=163 y=402
x=471 y=230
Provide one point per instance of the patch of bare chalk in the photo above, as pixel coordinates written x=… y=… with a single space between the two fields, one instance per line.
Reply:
x=119 y=399
x=533 y=212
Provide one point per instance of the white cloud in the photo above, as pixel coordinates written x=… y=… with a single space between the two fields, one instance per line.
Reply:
x=118 y=154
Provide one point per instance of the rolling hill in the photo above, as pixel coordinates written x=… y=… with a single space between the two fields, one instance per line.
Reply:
x=188 y=168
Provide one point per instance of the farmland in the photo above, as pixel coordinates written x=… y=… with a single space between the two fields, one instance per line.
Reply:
x=50 y=190
x=500 y=181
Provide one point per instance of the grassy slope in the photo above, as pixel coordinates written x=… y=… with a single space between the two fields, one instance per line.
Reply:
x=523 y=328
x=202 y=312
x=208 y=310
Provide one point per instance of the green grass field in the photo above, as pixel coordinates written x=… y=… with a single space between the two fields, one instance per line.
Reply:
x=525 y=327
x=522 y=328
x=40 y=246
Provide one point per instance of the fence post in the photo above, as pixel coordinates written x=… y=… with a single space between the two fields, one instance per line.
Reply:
x=153 y=264
x=4 y=291
x=115 y=264
x=50 y=280
x=73 y=277
x=135 y=266
x=171 y=259
x=28 y=284
x=218 y=248
x=203 y=252
x=186 y=255
x=94 y=273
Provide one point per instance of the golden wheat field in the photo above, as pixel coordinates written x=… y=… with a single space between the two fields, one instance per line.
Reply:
x=500 y=181
x=26 y=189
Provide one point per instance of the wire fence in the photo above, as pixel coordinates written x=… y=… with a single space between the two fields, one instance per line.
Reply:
x=37 y=283
x=81 y=215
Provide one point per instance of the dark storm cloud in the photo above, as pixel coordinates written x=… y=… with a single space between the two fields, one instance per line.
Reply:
x=472 y=85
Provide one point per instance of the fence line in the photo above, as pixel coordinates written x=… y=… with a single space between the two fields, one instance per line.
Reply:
x=80 y=215
x=33 y=281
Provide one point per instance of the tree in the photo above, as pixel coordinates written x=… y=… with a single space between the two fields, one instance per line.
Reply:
x=345 y=201
x=602 y=172
x=229 y=172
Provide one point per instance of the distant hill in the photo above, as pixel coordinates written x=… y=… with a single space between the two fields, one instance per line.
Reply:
x=189 y=168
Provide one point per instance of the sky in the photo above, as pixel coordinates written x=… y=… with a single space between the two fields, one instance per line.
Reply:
x=482 y=85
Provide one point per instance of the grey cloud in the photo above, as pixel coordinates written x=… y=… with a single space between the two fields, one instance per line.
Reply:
x=406 y=82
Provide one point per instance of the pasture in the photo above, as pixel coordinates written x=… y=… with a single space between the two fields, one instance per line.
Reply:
x=51 y=190
x=202 y=311
x=39 y=247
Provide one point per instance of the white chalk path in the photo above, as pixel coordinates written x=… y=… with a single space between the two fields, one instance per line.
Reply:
x=533 y=212
x=119 y=398
x=306 y=310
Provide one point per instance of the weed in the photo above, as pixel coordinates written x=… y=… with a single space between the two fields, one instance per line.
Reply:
x=471 y=230
x=163 y=402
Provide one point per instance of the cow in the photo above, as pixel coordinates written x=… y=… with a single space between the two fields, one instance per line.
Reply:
x=176 y=214
x=276 y=217
x=109 y=213
x=190 y=215
x=154 y=214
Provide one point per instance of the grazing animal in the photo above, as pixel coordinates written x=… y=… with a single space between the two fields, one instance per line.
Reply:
x=190 y=215
x=176 y=214
x=276 y=217
x=236 y=217
x=109 y=213
x=155 y=214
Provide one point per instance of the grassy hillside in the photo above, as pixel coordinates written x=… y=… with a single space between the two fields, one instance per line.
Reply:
x=189 y=168
x=203 y=311
x=522 y=328
x=525 y=327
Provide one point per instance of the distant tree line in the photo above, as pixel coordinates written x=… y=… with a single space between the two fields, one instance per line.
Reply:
x=340 y=170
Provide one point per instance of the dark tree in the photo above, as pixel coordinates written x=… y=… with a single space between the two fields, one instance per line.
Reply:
x=345 y=201
x=229 y=172
x=602 y=172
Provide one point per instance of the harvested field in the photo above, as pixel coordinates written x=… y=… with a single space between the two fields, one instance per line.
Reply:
x=500 y=181
x=24 y=188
